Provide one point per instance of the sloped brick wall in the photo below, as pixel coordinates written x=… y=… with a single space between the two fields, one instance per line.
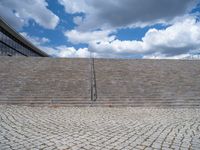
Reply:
x=42 y=81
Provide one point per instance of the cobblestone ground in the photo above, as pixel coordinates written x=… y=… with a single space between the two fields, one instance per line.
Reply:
x=99 y=128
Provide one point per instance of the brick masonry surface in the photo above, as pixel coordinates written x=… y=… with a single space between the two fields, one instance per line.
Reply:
x=97 y=128
x=67 y=82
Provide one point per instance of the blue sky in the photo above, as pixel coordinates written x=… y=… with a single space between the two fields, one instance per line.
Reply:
x=108 y=29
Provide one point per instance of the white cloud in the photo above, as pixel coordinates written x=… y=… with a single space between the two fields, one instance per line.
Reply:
x=78 y=20
x=161 y=56
x=64 y=51
x=68 y=52
x=97 y=27
x=74 y=6
x=176 y=40
x=19 y=13
x=75 y=36
x=35 y=40
x=58 y=51
x=11 y=18
x=109 y=14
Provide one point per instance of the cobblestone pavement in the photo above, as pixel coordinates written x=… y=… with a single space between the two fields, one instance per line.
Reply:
x=99 y=128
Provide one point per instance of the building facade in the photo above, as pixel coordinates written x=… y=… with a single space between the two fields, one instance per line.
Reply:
x=13 y=44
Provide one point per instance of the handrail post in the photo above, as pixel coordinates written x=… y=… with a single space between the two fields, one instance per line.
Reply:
x=93 y=80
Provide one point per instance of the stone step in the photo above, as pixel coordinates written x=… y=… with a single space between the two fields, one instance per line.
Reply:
x=45 y=102
x=104 y=104
x=140 y=105
x=44 y=98
x=147 y=98
x=120 y=83
x=50 y=105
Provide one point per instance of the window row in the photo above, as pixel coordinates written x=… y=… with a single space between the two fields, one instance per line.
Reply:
x=15 y=46
x=7 y=51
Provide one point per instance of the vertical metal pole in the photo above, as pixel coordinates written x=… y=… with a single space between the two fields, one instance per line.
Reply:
x=93 y=79
x=94 y=82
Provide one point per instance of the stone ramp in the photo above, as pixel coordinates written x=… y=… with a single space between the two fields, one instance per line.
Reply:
x=119 y=83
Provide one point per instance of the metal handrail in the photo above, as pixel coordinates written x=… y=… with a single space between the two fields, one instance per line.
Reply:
x=93 y=80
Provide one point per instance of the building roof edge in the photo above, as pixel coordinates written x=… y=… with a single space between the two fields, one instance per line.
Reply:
x=18 y=36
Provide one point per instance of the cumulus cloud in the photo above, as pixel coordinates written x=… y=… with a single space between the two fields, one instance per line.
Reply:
x=74 y=6
x=117 y=13
x=75 y=36
x=13 y=20
x=162 y=56
x=35 y=40
x=78 y=20
x=18 y=14
x=58 y=51
x=68 y=52
x=176 y=40
x=64 y=51
x=101 y=19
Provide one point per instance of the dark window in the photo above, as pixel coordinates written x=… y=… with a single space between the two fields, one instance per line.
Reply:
x=9 y=46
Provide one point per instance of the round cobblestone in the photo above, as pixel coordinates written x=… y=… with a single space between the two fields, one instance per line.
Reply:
x=98 y=128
